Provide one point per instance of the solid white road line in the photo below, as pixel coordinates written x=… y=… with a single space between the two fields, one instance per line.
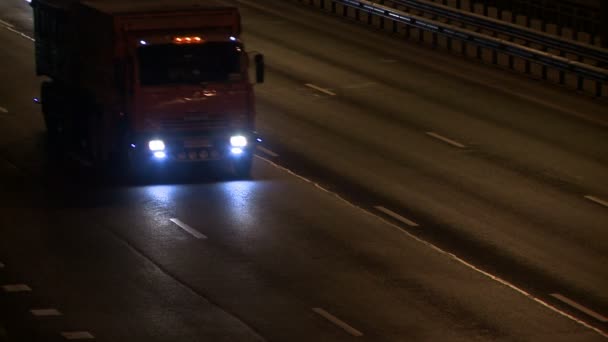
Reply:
x=267 y=151
x=597 y=200
x=338 y=322
x=7 y=24
x=3 y=110
x=77 y=335
x=446 y=140
x=317 y=88
x=579 y=307
x=16 y=288
x=396 y=216
x=9 y=164
x=19 y=33
x=188 y=229
x=45 y=312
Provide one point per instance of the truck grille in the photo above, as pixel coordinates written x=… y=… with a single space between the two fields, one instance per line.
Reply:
x=211 y=122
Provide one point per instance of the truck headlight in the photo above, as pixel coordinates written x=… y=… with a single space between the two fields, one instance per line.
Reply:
x=236 y=150
x=238 y=141
x=160 y=155
x=156 y=145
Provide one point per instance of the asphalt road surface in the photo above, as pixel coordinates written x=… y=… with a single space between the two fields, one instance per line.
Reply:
x=401 y=194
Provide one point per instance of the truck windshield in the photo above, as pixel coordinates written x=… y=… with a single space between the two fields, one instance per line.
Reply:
x=189 y=64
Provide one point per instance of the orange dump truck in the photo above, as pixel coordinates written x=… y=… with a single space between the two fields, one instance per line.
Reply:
x=146 y=82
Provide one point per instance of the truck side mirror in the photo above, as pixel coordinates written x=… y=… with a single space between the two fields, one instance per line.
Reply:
x=259 y=68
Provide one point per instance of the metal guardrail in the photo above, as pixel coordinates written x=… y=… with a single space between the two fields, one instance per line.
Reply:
x=583 y=50
x=546 y=60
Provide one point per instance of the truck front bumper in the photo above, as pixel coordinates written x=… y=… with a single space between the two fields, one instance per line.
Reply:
x=163 y=148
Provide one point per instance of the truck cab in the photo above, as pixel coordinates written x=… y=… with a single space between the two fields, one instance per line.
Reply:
x=193 y=98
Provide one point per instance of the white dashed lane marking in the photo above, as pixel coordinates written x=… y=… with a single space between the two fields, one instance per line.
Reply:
x=77 y=335
x=445 y=140
x=16 y=288
x=1 y=265
x=3 y=110
x=323 y=90
x=45 y=312
x=597 y=200
x=188 y=229
x=396 y=216
x=579 y=307
x=338 y=322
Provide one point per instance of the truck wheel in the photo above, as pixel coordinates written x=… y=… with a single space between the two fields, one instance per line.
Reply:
x=134 y=169
x=94 y=138
x=241 y=168
x=51 y=112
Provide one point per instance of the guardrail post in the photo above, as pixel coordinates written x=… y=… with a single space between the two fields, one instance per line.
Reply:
x=604 y=24
x=465 y=5
x=508 y=17
x=344 y=10
x=363 y=16
x=555 y=30
x=463 y=48
x=407 y=31
x=492 y=12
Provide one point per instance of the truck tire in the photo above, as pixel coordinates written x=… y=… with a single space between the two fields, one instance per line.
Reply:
x=133 y=168
x=241 y=168
x=51 y=111
x=94 y=137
